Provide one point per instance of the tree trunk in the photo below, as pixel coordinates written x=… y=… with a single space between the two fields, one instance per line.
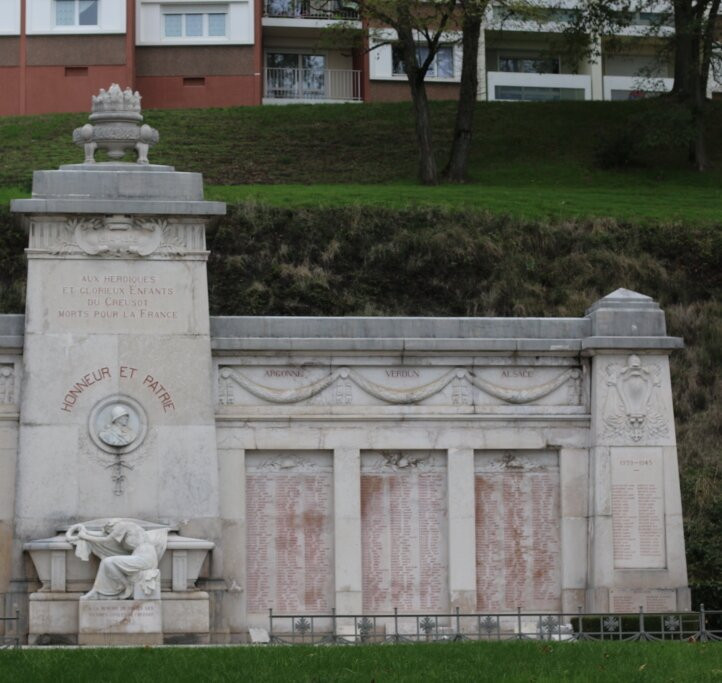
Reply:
x=690 y=72
x=428 y=172
x=685 y=59
x=457 y=166
x=699 y=102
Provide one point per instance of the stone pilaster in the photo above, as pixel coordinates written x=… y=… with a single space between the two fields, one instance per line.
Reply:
x=347 y=529
x=230 y=556
x=462 y=529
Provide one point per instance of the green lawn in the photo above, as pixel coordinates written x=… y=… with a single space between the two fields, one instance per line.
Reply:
x=515 y=661
x=671 y=201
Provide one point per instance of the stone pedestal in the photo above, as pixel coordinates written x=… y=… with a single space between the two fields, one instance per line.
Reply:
x=57 y=618
x=120 y=622
x=117 y=416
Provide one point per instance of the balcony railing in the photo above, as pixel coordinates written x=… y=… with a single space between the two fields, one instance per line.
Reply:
x=312 y=84
x=311 y=9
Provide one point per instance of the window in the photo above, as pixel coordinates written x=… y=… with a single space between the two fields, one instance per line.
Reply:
x=441 y=67
x=295 y=76
x=632 y=94
x=535 y=14
x=529 y=65
x=194 y=25
x=536 y=94
x=76 y=12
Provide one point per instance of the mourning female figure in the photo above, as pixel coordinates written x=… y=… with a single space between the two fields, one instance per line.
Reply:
x=129 y=556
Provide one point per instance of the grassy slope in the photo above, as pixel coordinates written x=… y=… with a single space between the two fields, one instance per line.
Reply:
x=531 y=159
x=515 y=661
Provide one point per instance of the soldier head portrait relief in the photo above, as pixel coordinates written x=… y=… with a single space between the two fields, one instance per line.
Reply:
x=117 y=432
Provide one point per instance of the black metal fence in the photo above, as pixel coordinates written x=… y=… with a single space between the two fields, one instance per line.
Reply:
x=395 y=627
x=7 y=641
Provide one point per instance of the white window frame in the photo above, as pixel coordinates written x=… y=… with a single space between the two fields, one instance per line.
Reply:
x=76 y=17
x=150 y=24
x=432 y=73
x=10 y=18
x=204 y=10
x=40 y=19
x=381 y=59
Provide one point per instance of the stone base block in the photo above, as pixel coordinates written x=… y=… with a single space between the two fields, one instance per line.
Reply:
x=120 y=622
x=464 y=600
x=684 y=599
x=573 y=599
x=53 y=618
x=186 y=617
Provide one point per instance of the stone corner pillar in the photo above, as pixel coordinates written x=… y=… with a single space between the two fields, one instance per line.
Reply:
x=116 y=417
x=637 y=556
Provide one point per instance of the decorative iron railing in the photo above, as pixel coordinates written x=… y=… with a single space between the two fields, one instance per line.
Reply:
x=350 y=629
x=8 y=641
x=312 y=84
x=311 y=9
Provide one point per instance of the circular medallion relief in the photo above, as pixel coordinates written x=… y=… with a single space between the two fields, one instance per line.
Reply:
x=117 y=424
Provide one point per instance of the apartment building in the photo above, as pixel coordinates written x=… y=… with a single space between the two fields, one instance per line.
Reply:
x=216 y=53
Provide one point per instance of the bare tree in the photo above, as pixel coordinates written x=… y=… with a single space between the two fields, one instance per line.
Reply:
x=415 y=22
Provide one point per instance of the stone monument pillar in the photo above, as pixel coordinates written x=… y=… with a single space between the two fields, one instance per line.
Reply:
x=117 y=418
x=636 y=535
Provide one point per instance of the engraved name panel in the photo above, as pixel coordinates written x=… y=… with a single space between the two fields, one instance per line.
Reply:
x=638 y=508
x=289 y=516
x=403 y=527
x=517 y=531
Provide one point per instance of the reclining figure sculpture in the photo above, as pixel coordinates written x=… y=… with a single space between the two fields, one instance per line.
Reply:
x=129 y=556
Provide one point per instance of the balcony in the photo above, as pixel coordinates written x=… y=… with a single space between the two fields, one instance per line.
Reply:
x=334 y=10
x=285 y=85
x=635 y=87
x=534 y=87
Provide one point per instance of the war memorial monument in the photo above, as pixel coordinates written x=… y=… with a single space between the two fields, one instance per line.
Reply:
x=170 y=477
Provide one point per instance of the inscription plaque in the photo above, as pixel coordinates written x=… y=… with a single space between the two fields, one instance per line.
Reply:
x=629 y=600
x=517 y=532
x=118 y=297
x=403 y=527
x=638 y=508
x=119 y=616
x=289 y=516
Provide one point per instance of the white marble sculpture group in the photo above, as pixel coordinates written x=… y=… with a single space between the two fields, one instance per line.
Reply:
x=129 y=557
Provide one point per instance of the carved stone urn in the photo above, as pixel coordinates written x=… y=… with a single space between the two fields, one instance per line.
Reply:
x=115 y=126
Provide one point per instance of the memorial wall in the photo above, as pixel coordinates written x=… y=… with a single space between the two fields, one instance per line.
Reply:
x=304 y=465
